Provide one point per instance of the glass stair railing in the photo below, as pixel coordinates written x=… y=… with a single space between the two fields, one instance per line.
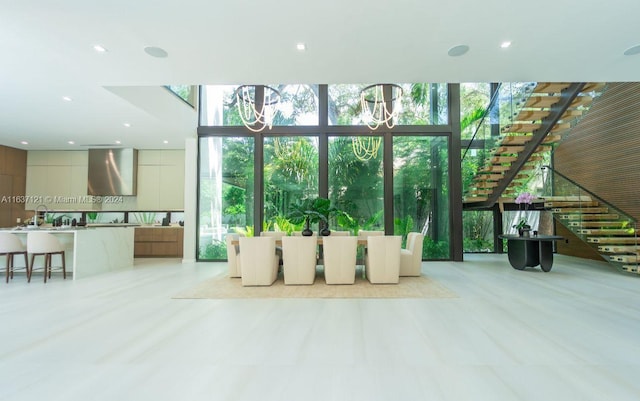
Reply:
x=607 y=229
x=517 y=136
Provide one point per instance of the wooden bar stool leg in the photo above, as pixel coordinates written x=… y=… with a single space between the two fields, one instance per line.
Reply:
x=64 y=268
x=26 y=266
x=46 y=266
x=33 y=255
x=8 y=254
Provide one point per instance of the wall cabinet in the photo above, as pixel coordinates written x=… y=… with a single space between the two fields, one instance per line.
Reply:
x=158 y=242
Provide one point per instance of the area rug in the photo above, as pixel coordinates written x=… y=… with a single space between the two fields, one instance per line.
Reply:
x=221 y=287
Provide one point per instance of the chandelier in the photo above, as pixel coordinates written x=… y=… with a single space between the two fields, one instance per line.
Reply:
x=380 y=104
x=365 y=148
x=257 y=105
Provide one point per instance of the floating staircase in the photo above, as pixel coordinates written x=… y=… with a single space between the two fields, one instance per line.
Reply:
x=610 y=232
x=537 y=122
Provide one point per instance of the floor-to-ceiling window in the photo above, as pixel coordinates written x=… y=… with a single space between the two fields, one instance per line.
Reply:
x=356 y=180
x=392 y=178
x=421 y=190
x=226 y=194
x=290 y=173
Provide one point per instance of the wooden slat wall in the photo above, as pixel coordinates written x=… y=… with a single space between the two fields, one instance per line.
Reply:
x=602 y=153
x=13 y=179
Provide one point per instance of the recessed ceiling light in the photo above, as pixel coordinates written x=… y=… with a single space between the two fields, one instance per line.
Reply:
x=156 y=52
x=458 y=50
x=301 y=46
x=633 y=50
x=66 y=98
x=24 y=142
x=165 y=142
x=71 y=142
x=505 y=44
x=127 y=125
x=118 y=142
x=99 y=48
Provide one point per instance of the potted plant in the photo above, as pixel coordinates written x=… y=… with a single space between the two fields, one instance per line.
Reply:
x=316 y=210
x=523 y=227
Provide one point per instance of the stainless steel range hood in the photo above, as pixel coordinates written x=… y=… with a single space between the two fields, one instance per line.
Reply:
x=112 y=172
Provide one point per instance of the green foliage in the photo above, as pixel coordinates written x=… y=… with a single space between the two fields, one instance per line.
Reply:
x=248 y=231
x=435 y=249
x=403 y=226
x=215 y=250
x=477 y=226
x=477 y=245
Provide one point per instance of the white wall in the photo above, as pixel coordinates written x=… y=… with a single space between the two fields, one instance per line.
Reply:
x=58 y=179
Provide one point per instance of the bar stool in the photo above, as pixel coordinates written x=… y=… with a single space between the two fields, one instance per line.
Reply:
x=11 y=245
x=47 y=245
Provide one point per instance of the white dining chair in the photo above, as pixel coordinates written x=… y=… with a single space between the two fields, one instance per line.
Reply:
x=258 y=261
x=340 y=259
x=233 y=252
x=47 y=245
x=11 y=245
x=382 y=261
x=411 y=256
x=299 y=256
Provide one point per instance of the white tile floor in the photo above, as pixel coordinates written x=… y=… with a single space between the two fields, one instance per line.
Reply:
x=571 y=334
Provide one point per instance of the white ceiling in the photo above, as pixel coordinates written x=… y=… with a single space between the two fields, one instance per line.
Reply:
x=46 y=53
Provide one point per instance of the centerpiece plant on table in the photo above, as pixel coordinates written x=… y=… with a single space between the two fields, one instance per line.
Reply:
x=525 y=199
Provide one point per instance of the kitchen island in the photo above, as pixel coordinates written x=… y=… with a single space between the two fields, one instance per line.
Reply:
x=89 y=251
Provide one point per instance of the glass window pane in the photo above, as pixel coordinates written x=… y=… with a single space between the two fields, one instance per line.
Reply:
x=477 y=227
x=421 y=191
x=474 y=100
x=298 y=105
x=290 y=175
x=420 y=104
x=356 y=181
x=225 y=192
x=423 y=104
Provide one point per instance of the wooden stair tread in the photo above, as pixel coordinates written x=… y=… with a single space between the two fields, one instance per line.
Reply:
x=532 y=115
x=581 y=101
x=543 y=148
x=551 y=138
x=613 y=240
x=516 y=139
x=507 y=150
x=520 y=127
x=551 y=87
x=485 y=184
x=628 y=249
x=619 y=249
x=631 y=268
x=625 y=258
x=577 y=216
x=598 y=224
x=560 y=204
x=583 y=210
x=560 y=127
x=572 y=198
x=475 y=199
x=495 y=168
x=481 y=192
x=593 y=86
x=607 y=231
x=570 y=115
x=503 y=159
x=541 y=102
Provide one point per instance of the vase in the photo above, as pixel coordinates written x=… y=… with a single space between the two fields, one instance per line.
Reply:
x=307 y=231
x=325 y=232
x=525 y=232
